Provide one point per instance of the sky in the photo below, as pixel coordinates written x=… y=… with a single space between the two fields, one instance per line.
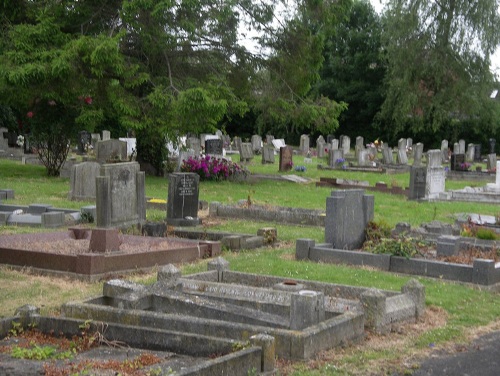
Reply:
x=495 y=59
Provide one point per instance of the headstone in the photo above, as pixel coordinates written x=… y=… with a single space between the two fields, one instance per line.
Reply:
x=347 y=215
x=418 y=178
x=418 y=151
x=213 y=147
x=120 y=195
x=304 y=144
x=82 y=181
x=3 y=140
x=269 y=139
x=346 y=144
x=435 y=181
x=182 y=202
x=329 y=138
x=184 y=155
x=94 y=139
x=218 y=133
x=470 y=153
x=268 y=154
x=444 y=150
x=237 y=143
x=256 y=144
x=226 y=141
x=457 y=162
x=477 y=152
x=363 y=159
x=402 y=157
x=494 y=187
x=336 y=158
x=335 y=144
x=111 y=151
x=194 y=143
x=320 y=148
x=373 y=152
x=286 y=158
x=491 y=161
x=278 y=143
x=461 y=146
x=387 y=154
x=131 y=145
x=492 y=143
x=246 y=152
x=106 y=135
x=84 y=141
x=456 y=148
x=409 y=143
x=359 y=146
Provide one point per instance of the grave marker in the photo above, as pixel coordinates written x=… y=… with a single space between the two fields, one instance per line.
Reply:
x=286 y=158
x=183 y=195
x=213 y=146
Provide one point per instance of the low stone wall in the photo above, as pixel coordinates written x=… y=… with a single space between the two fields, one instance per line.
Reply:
x=481 y=272
x=277 y=214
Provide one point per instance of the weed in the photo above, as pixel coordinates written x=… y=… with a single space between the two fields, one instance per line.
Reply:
x=17 y=329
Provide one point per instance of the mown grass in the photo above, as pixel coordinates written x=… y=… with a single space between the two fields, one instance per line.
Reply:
x=465 y=307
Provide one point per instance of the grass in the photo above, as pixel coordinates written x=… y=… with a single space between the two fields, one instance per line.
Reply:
x=466 y=309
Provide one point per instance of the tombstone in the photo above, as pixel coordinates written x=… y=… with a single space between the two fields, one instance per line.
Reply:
x=444 y=150
x=336 y=158
x=184 y=155
x=3 y=141
x=402 y=157
x=409 y=143
x=94 y=139
x=461 y=146
x=491 y=161
x=494 y=187
x=256 y=144
x=226 y=141
x=269 y=139
x=120 y=195
x=347 y=215
x=320 y=148
x=237 y=143
x=106 y=135
x=218 y=133
x=82 y=181
x=111 y=151
x=278 y=144
x=194 y=143
x=268 y=154
x=457 y=162
x=182 y=202
x=84 y=141
x=346 y=144
x=418 y=179
x=213 y=146
x=373 y=152
x=418 y=151
x=359 y=146
x=492 y=143
x=456 y=148
x=286 y=158
x=335 y=144
x=246 y=152
x=387 y=154
x=477 y=152
x=402 y=144
x=330 y=138
x=304 y=144
x=435 y=180
x=363 y=159
x=470 y=153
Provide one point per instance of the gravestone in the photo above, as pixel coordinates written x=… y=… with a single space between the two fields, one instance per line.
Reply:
x=304 y=144
x=418 y=151
x=477 y=152
x=213 y=146
x=418 y=178
x=286 y=158
x=347 y=214
x=226 y=141
x=461 y=146
x=268 y=154
x=320 y=147
x=402 y=157
x=246 y=153
x=269 y=139
x=106 y=135
x=456 y=148
x=120 y=195
x=363 y=159
x=409 y=143
x=359 y=146
x=195 y=144
x=492 y=143
x=435 y=181
x=278 y=143
x=65 y=171
x=444 y=150
x=82 y=181
x=183 y=203
x=256 y=144
x=84 y=141
x=131 y=145
x=491 y=161
x=94 y=139
x=457 y=162
x=470 y=153
x=387 y=154
x=335 y=144
x=336 y=158
x=237 y=143
x=184 y=155
x=111 y=151
x=346 y=144
x=329 y=138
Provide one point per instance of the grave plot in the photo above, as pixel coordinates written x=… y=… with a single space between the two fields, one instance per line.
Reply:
x=69 y=346
x=304 y=317
x=37 y=215
x=95 y=254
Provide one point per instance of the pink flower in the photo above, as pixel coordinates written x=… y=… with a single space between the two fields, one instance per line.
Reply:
x=88 y=100
x=30 y=114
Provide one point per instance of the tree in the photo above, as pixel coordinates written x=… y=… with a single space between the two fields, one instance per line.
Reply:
x=438 y=55
x=354 y=69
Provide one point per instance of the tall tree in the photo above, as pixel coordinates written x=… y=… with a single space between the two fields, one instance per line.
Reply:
x=354 y=69
x=438 y=55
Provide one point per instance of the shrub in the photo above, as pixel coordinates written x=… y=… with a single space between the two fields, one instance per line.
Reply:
x=210 y=168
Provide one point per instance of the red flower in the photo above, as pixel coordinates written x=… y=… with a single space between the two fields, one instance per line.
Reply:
x=30 y=114
x=88 y=100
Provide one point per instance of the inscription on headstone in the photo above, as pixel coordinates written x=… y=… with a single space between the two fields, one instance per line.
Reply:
x=182 y=203
x=213 y=147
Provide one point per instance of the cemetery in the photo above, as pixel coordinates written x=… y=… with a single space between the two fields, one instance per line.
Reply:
x=117 y=230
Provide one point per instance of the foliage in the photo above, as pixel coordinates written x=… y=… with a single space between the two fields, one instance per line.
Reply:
x=354 y=69
x=473 y=231
x=438 y=56
x=211 y=168
x=36 y=352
